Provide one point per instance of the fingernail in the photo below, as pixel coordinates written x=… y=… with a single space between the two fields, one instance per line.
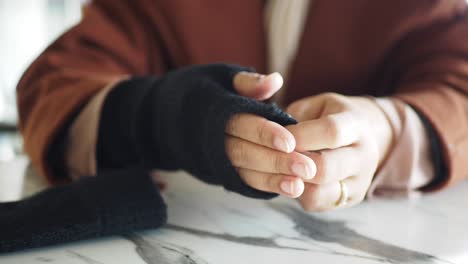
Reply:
x=276 y=79
x=293 y=188
x=287 y=187
x=281 y=144
x=301 y=170
x=253 y=76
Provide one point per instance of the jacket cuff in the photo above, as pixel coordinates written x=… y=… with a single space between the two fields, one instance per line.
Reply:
x=440 y=168
x=408 y=166
x=440 y=115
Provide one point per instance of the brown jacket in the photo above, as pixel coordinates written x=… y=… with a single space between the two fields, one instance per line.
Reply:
x=416 y=50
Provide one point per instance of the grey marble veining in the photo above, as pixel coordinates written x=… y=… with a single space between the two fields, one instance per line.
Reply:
x=338 y=232
x=81 y=257
x=160 y=252
x=209 y=225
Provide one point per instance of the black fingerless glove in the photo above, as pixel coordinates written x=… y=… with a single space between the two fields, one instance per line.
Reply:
x=178 y=122
x=114 y=203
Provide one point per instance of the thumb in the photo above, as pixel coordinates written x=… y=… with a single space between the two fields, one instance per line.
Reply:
x=257 y=86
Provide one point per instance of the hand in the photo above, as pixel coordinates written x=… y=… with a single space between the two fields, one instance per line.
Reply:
x=178 y=121
x=347 y=138
x=261 y=150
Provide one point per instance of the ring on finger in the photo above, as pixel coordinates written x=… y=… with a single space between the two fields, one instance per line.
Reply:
x=344 y=195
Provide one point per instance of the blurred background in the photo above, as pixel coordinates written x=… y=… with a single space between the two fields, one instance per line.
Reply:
x=26 y=28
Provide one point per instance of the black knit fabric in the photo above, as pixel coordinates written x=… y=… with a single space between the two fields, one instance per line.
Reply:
x=178 y=122
x=114 y=203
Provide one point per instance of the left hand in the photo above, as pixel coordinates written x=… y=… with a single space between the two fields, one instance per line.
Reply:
x=347 y=138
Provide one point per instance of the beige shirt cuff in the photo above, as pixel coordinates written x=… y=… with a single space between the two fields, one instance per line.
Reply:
x=409 y=165
x=80 y=153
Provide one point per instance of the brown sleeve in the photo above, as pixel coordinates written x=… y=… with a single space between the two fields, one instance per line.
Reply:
x=431 y=63
x=108 y=44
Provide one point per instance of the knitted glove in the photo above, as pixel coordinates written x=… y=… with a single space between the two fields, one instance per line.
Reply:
x=178 y=122
x=110 y=204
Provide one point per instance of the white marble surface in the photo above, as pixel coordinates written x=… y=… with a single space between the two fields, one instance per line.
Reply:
x=209 y=225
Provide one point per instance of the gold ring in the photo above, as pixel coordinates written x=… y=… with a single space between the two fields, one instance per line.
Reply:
x=343 y=200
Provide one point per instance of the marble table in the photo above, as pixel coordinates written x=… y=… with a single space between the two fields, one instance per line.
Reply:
x=209 y=225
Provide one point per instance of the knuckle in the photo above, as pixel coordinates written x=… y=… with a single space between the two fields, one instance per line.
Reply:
x=322 y=163
x=269 y=183
x=277 y=161
x=301 y=137
x=338 y=102
x=334 y=96
x=236 y=152
x=333 y=131
x=263 y=132
x=330 y=95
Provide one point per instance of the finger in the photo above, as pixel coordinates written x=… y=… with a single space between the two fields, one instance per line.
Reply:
x=306 y=108
x=245 y=154
x=275 y=183
x=257 y=86
x=314 y=107
x=336 y=164
x=324 y=197
x=329 y=132
x=261 y=131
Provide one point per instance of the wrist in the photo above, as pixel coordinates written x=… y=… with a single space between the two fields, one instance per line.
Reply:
x=380 y=125
x=125 y=135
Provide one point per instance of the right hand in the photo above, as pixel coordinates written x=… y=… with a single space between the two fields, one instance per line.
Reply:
x=262 y=151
